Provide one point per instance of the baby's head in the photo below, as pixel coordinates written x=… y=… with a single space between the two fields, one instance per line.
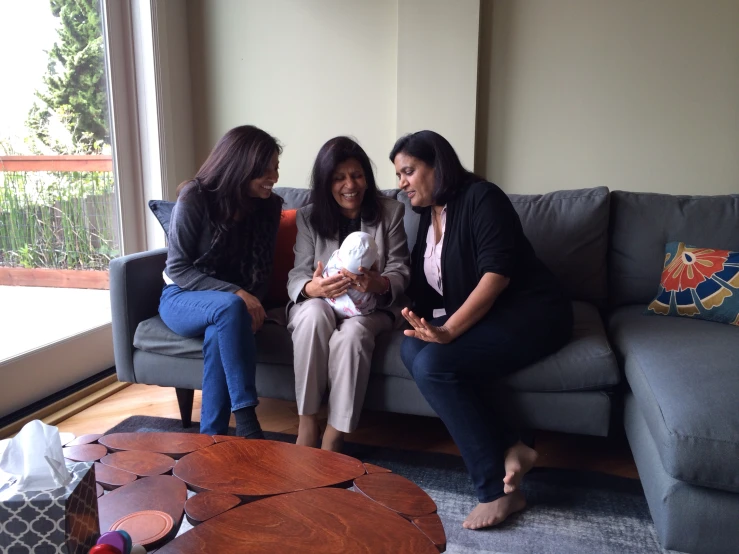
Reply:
x=358 y=250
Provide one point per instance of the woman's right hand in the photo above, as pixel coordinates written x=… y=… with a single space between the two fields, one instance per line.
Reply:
x=326 y=287
x=255 y=308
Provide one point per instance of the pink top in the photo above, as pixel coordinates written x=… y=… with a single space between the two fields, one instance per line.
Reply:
x=432 y=256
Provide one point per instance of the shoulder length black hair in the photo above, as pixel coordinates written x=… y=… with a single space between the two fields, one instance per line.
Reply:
x=326 y=213
x=450 y=176
x=240 y=156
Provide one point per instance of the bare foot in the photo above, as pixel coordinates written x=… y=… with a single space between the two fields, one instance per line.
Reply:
x=307 y=431
x=519 y=459
x=487 y=514
x=333 y=439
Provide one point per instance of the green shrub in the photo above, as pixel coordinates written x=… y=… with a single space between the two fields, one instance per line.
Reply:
x=63 y=220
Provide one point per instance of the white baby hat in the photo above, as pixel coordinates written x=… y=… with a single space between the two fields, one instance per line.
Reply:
x=358 y=250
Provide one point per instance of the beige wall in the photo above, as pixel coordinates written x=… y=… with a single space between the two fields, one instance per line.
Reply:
x=631 y=94
x=437 y=70
x=304 y=71
x=176 y=87
x=308 y=70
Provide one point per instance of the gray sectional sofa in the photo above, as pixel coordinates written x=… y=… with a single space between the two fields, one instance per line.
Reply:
x=681 y=414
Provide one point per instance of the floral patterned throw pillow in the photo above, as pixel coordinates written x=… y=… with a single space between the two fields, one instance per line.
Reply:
x=702 y=283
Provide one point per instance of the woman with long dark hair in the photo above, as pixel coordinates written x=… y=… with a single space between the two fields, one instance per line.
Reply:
x=219 y=262
x=483 y=306
x=330 y=353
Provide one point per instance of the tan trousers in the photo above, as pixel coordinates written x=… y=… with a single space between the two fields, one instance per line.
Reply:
x=335 y=354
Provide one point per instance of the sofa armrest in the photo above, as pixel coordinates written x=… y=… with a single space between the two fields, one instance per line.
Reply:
x=135 y=288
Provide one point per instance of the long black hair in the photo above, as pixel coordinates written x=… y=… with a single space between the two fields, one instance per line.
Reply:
x=240 y=156
x=450 y=176
x=326 y=214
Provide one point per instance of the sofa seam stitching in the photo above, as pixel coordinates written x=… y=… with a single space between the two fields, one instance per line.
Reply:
x=531 y=201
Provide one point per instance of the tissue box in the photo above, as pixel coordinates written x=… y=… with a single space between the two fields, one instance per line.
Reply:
x=58 y=521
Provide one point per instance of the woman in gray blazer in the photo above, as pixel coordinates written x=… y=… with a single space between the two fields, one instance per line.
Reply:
x=330 y=353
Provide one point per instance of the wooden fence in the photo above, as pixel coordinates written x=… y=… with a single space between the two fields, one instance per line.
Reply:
x=58 y=277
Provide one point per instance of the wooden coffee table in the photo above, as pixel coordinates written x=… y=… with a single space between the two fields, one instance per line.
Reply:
x=256 y=468
x=267 y=496
x=316 y=520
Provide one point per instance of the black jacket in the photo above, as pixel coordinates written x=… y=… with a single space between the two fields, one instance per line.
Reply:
x=483 y=234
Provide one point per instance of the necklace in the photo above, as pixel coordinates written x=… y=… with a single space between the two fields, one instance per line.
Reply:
x=436 y=221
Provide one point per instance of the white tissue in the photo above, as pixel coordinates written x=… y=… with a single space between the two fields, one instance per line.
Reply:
x=34 y=457
x=66 y=438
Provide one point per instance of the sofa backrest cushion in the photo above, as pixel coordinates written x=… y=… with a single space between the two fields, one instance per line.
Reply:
x=284 y=259
x=297 y=198
x=569 y=232
x=410 y=220
x=162 y=210
x=641 y=224
x=294 y=198
x=568 y=229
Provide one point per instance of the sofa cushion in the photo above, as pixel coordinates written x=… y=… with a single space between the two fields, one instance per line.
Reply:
x=585 y=363
x=569 y=232
x=274 y=344
x=298 y=197
x=641 y=224
x=284 y=259
x=410 y=220
x=153 y=335
x=162 y=210
x=685 y=379
x=294 y=198
x=697 y=283
x=687 y=518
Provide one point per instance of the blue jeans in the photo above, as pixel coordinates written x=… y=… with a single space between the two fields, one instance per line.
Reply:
x=451 y=376
x=229 y=350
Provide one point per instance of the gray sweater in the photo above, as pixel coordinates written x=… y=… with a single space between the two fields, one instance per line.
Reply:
x=190 y=237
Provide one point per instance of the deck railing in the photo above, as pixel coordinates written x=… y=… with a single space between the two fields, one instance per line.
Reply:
x=57 y=212
x=56 y=163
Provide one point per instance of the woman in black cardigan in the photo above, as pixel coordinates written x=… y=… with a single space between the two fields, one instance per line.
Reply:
x=483 y=306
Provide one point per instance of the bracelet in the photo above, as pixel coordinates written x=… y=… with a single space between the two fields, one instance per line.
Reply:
x=305 y=294
x=387 y=286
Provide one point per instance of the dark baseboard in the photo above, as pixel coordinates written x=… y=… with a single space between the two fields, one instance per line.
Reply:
x=44 y=402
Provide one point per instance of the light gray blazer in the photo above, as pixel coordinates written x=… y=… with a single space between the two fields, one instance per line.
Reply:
x=393 y=258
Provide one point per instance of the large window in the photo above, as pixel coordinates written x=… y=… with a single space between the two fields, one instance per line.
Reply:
x=59 y=200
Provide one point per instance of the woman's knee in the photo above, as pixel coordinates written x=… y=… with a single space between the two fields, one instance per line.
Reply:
x=314 y=314
x=353 y=333
x=409 y=350
x=232 y=308
x=428 y=364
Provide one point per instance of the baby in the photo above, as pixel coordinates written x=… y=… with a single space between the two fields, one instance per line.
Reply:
x=358 y=250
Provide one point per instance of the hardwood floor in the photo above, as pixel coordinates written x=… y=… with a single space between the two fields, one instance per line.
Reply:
x=607 y=455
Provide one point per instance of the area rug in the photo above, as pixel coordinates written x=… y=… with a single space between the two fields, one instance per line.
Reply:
x=568 y=511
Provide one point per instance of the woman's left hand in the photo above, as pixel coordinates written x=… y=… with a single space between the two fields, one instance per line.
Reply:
x=369 y=281
x=424 y=331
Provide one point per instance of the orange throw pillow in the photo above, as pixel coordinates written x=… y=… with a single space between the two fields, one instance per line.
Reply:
x=284 y=259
